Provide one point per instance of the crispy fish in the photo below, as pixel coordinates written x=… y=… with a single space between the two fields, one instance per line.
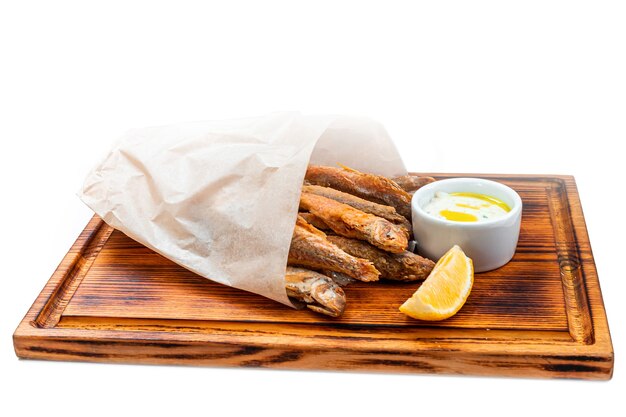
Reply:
x=310 y=248
x=412 y=183
x=368 y=186
x=303 y=223
x=405 y=266
x=350 y=222
x=319 y=224
x=340 y=279
x=314 y=221
x=380 y=210
x=319 y=292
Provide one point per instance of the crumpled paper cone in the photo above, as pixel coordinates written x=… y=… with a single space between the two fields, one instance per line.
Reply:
x=220 y=198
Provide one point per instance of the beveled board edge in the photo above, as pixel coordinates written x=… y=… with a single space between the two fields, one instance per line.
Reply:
x=39 y=337
x=49 y=305
x=246 y=351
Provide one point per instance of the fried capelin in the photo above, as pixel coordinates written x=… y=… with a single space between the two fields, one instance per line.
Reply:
x=405 y=266
x=314 y=221
x=380 y=210
x=319 y=292
x=310 y=248
x=412 y=183
x=340 y=279
x=368 y=186
x=350 y=222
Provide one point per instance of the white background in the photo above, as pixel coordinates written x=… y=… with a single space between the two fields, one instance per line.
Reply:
x=469 y=86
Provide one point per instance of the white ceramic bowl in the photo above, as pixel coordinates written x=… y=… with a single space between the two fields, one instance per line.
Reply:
x=490 y=244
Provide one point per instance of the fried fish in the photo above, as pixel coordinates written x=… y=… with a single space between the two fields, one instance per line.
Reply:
x=412 y=183
x=350 y=222
x=314 y=221
x=310 y=248
x=380 y=210
x=340 y=279
x=319 y=292
x=368 y=186
x=405 y=266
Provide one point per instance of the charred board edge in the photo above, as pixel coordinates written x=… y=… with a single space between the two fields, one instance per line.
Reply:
x=438 y=361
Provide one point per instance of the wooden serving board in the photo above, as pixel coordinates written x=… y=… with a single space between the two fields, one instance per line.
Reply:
x=113 y=300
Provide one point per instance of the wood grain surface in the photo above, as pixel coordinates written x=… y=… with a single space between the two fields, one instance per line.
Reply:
x=541 y=315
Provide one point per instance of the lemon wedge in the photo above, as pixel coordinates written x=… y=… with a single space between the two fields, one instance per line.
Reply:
x=445 y=290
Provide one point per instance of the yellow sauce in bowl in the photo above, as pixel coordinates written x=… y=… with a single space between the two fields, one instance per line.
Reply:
x=466 y=207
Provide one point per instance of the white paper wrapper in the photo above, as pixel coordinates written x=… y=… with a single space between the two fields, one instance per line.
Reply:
x=220 y=198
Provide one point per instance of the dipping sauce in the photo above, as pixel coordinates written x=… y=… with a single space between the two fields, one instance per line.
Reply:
x=466 y=207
